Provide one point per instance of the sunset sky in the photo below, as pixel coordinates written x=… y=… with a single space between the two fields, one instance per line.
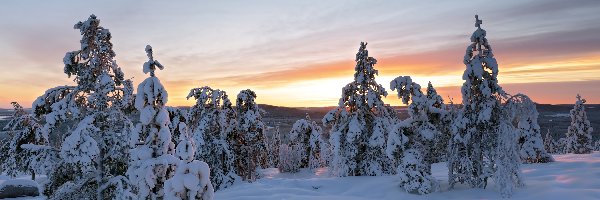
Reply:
x=301 y=53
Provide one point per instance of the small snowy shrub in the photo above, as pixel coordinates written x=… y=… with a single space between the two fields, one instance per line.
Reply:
x=290 y=157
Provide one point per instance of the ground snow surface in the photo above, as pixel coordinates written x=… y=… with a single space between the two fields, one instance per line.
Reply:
x=570 y=177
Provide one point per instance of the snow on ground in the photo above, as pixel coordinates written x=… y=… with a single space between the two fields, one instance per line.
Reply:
x=570 y=177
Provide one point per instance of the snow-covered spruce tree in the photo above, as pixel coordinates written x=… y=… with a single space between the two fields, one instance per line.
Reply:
x=210 y=122
x=274 y=144
x=597 y=145
x=192 y=177
x=360 y=123
x=561 y=146
x=441 y=116
x=24 y=131
x=531 y=148
x=507 y=175
x=550 y=144
x=415 y=136
x=152 y=160
x=251 y=136
x=480 y=132
x=306 y=133
x=579 y=134
x=94 y=152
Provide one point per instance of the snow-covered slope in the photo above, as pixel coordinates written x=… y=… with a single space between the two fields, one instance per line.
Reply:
x=570 y=177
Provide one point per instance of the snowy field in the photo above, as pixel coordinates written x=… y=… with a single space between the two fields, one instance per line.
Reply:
x=572 y=177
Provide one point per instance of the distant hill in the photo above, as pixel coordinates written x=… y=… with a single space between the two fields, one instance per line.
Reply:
x=552 y=117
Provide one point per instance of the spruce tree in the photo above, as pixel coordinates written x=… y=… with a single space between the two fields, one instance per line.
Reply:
x=562 y=145
x=483 y=143
x=26 y=147
x=152 y=160
x=306 y=133
x=274 y=144
x=579 y=134
x=441 y=116
x=252 y=152
x=531 y=147
x=97 y=105
x=549 y=143
x=210 y=122
x=192 y=177
x=417 y=134
x=360 y=123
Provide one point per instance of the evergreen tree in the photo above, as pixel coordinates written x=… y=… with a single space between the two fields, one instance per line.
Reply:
x=26 y=150
x=192 y=177
x=251 y=137
x=579 y=135
x=360 y=123
x=507 y=175
x=550 y=144
x=561 y=146
x=440 y=116
x=482 y=141
x=306 y=133
x=531 y=148
x=210 y=123
x=417 y=134
x=152 y=161
x=274 y=144
x=98 y=106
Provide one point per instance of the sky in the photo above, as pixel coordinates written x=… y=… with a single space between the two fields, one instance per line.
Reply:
x=301 y=53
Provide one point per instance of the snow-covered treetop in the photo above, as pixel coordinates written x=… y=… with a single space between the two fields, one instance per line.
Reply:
x=433 y=95
x=480 y=43
x=481 y=67
x=579 y=116
x=363 y=93
x=421 y=104
x=245 y=101
x=580 y=101
x=208 y=97
x=99 y=80
x=521 y=106
x=151 y=64
x=407 y=91
x=95 y=58
x=301 y=127
x=19 y=111
x=151 y=91
x=406 y=88
x=364 y=71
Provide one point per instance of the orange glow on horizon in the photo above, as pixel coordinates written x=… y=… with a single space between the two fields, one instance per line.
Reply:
x=320 y=84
